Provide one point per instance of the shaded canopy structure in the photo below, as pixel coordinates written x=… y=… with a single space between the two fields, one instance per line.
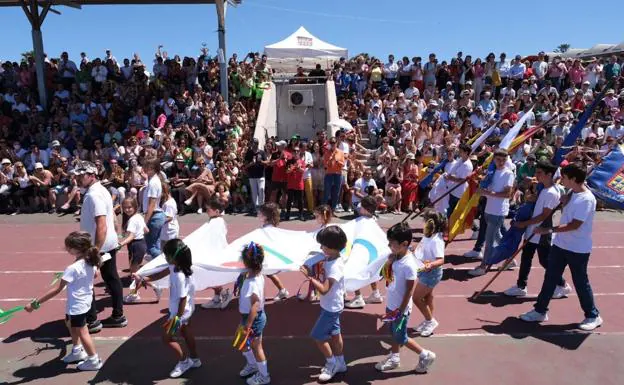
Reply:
x=302 y=44
x=37 y=10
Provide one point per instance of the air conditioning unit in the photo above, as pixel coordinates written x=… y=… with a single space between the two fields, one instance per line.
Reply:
x=301 y=98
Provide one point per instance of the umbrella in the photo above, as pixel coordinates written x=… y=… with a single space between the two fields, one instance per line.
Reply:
x=341 y=124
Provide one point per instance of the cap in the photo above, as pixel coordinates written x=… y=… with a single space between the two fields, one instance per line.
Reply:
x=433 y=103
x=295 y=137
x=505 y=121
x=281 y=143
x=469 y=82
x=410 y=156
x=179 y=158
x=55 y=143
x=84 y=167
x=449 y=83
x=610 y=91
x=6 y=161
x=38 y=166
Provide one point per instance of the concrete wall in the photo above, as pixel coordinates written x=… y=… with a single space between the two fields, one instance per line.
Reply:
x=300 y=120
x=266 y=124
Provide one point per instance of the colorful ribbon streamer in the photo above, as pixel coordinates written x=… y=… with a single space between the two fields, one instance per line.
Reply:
x=242 y=338
x=57 y=277
x=172 y=326
x=6 y=315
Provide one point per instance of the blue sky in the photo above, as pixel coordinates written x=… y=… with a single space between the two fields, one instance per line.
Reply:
x=412 y=28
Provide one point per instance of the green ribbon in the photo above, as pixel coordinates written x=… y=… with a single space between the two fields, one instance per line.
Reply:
x=57 y=277
x=6 y=315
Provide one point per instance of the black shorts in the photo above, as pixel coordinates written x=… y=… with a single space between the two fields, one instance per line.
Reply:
x=279 y=186
x=77 y=320
x=136 y=251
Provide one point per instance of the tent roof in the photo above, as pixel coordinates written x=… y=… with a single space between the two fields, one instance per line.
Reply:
x=598 y=49
x=303 y=44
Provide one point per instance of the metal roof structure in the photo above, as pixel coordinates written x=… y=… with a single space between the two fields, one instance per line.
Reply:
x=37 y=10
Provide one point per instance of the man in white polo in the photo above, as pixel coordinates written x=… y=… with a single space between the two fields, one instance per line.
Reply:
x=98 y=219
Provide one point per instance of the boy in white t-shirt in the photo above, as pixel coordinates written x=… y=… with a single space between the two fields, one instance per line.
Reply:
x=401 y=273
x=171 y=229
x=571 y=247
x=458 y=173
x=330 y=284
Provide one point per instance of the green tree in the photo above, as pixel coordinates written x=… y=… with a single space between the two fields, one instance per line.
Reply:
x=561 y=48
x=27 y=54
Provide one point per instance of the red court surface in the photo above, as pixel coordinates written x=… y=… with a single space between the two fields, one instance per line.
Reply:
x=478 y=342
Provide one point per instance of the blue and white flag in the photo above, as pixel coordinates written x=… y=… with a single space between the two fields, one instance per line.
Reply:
x=607 y=180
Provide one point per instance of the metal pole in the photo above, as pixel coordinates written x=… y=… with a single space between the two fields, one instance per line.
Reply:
x=37 y=38
x=221 y=4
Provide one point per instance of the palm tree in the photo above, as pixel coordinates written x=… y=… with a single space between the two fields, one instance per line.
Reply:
x=27 y=54
x=561 y=48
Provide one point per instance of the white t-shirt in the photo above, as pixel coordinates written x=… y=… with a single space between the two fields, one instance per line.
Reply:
x=136 y=226
x=499 y=206
x=361 y=185
x=460 y=170
x=432 y=248
x=98 y=202
x=79 y=277
x=251 y=286
x=180 y=286
x=582 y=207
x=615 y=132
x=309 y=161
x=171 y=229
x=548 y=198
x=333 y=301
x=153 y=190
x=403 y=270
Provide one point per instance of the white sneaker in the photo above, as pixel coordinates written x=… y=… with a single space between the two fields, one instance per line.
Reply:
x=157 y=293
x=477 y=271
x=90 y=364
x=388 y=364
x=474 y=254
x=424 y=363
x=327 y=372
x=248 y=370
x=200 y=211
x=258 y=379
x=475 y=235
x=375 y=297
x=429 y=328
x=226 y=298
x=132 y=298
x=188 y=202
x=356 y=303
x=282 y=294
x=180 y=368
x=562 y=291
x=534 y=316
x=339 y=209
x=515 y=291
x=196 y=363
x=76 y=356
x=589 y=324
x=420 y=326
x=214 y=303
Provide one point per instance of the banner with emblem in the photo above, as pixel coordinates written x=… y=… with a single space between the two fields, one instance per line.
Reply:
x=606 y=181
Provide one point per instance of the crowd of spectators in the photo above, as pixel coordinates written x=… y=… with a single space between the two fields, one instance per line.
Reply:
x=406 y=115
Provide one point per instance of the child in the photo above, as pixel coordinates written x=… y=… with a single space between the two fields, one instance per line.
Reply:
x=134 y=224
x=330 y=284
x=78 y=278
x=366 y=210
x=431 y=274
x=181 y=303
x=269 y=215
x=251 y=307
x=171 y=229
x=295 y=169
x=402 y=266
x=323 y=215
x=222 y=298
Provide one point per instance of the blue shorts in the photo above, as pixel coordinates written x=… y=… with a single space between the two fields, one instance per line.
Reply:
x=430 y=278
x=257 y=327
x=326 y=326
x=398 y=328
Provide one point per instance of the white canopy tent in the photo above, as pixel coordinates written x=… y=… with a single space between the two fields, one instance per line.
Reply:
x=302 y=44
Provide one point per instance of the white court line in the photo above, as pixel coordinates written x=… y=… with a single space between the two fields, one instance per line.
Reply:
x=499 y=295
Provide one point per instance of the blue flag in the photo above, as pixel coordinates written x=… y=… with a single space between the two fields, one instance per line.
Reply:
x=607 y=180
x=427 y=180
x=512 y=238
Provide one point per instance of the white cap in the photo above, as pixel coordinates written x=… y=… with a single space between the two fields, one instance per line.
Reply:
x=38 y=166
x=6 y=161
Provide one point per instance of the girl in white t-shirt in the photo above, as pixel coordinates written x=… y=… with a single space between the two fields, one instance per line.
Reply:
x=78 y=279
x=251 y=307
x=171 y=228
x=323 y=216
x=431 y=252
x=181 y=303
x=135 y=229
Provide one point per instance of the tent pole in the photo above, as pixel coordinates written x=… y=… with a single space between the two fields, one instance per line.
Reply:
x=223 y=75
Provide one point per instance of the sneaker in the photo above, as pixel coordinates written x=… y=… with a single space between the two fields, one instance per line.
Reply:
x=214 y=303
x=95 y=327
x=282 y=294
x=157 y=293
x=562 y=291
x=421 y=326
x=477 y=271
x=90 y=364
x=115 y=322
x=590 y=324
x=200 y=211
x=388 y=364
x=76 y=355
x=258 y=379
x=375 y=297
x=474 y=254
x=512 y=265
x=356 y=303
x=327 y=372
x=188 y=202
x=180 y=368
x=248 y=370
x=424 y=363
x=196 y=363
x=475 y=235
x=226 y=298
x=534 y=316
x=515 y=291
x=339 y=209
x=132 y=298
x=429 y=328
